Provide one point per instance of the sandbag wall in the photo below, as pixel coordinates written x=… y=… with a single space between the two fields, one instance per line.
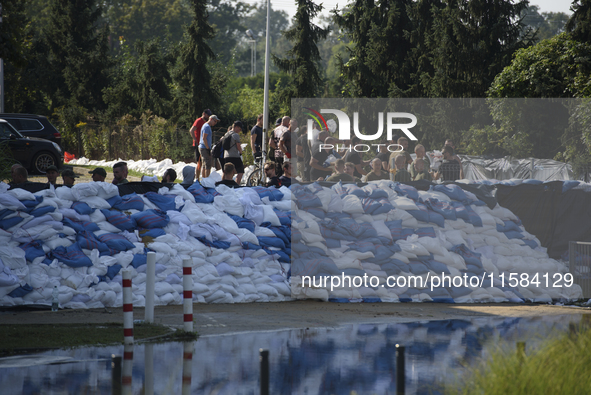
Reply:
x=79 y=240
x=387 y=229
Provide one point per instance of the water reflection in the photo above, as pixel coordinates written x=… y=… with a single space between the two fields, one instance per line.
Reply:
x=358 y=358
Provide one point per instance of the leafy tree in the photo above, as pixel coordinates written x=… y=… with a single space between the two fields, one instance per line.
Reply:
x=142 y=81
x=194 y=84
x=554 y=68
x=77 y=58
x=579 y=23
x=558 y=67
x=146 y=19
x=16 y=49
x=302 y=61
x=471 y=42
x=227 y=19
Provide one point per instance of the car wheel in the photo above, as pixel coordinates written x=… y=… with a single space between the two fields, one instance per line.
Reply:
x=42 y=161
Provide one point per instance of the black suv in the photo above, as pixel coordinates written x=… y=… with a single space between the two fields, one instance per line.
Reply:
x=33 y=153
x=34 y=126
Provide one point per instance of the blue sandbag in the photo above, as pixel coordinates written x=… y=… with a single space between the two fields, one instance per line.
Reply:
x=407 y=190
x=115 y=200
x=164 y=202
x=532 y=182
x=89 y=241
x=514 y=235
x=417 y=267
x=436 y=218
x=20 y=291
x=453 y=191
x=151 y=219
x=153 y=233
x=273 y=194
x=71 y=256
x=116 y=241
x=569 y=184
x=276 y=242
x=33 y=249
x=119 y=220
x=10 y=222
x=426 y=232
x=441 y=207
x=131 y=201
x=530 y=243
x=314 y=267
x=82 y=208
x=42 y=211
x=244 y=223
x=200 y=194
x=81 y=226
x=470 y=257
x=473 y=217
x=139 y=260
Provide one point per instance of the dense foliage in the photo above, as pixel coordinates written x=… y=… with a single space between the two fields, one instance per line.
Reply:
x=113 y=74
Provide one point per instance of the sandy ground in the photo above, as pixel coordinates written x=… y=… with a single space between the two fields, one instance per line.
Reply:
x=215 y=319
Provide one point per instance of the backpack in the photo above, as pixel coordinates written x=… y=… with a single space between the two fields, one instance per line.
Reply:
x=227 y=141
x=217 y=150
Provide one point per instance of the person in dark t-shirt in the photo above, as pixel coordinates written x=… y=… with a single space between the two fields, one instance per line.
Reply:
x=228 y=177
x=318 y=170
x=450 y=168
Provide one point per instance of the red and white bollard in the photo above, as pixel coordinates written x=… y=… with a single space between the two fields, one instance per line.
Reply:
x=188 y=348
x=127 y=308
x=188 y=294
x=127 y=369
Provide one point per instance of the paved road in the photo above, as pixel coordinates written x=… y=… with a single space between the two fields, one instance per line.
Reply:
x=213 y=319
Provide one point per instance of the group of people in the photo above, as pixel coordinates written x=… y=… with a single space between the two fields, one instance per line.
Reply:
x=310 y=158
x=388 y=164
x=20 y=176
x=202 y=134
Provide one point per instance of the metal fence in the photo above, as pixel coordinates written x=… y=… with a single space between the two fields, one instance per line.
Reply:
x=579 y=257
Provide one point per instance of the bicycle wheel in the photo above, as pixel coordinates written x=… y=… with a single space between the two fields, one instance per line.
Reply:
x=255 y=178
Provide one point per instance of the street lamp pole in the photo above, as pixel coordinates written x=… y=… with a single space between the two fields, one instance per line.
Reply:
x=266 y=87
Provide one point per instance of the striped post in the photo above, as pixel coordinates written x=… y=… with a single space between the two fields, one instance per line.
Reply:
x=127 y=368
x=188 y=348
x=150 y=284
x=127 y=308
x=188 y=294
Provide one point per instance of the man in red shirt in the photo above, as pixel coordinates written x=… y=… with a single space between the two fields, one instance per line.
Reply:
x=196 y=134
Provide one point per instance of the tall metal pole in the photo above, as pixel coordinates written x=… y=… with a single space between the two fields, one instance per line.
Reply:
x=266 y=97
x=2 y=72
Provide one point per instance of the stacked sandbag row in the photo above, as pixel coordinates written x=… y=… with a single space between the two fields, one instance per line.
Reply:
x=387 y=229
x=80 y=239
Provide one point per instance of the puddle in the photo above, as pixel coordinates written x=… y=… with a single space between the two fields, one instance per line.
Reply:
x=357 y=358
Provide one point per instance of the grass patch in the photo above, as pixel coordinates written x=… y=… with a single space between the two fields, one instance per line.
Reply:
x=561 y=366
x=23 y=338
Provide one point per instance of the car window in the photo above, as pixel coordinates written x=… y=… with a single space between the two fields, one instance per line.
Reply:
x=30 y=124
x=5 y=131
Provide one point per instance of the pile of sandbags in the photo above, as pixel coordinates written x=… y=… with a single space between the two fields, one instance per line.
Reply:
x=79 y=239
x=387 y=230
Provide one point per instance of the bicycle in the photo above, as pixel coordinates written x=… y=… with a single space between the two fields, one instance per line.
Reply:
x=257 y=177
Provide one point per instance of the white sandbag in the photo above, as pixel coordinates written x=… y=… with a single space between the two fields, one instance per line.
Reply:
x=95 y=202
x=403 y=203
x=352 y=205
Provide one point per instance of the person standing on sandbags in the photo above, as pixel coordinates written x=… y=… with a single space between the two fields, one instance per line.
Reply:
x=195 y=132
x=205 y=144
x=232 y=154
x=120 y=173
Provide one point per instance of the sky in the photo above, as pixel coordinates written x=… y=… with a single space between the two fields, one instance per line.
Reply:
x=289 y=5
